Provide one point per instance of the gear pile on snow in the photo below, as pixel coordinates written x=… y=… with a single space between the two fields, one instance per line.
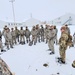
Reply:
x=4 y=69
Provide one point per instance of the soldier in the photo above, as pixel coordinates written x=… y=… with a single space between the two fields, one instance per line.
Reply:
x=17 y=32
x=22 y=38
x=8 y=39
x=63 y=44
x=42 y=33
x=4 y=33
x=1 y=46
x=34 y=35
x=56 y=31
x=50 y=38
x=27 y=34
x=13 y=36
x=46 y=31
x=38 y=33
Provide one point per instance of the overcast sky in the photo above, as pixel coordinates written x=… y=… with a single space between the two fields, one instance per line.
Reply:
x=40 y=9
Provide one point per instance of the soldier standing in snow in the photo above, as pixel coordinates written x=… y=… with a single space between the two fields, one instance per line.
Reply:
x=27 y=34
x=17 y=32
x=42 y=33
x=34 y=35
x=8 y=39
x=56 y=31
x=13 y=36
x=22 y=38
x=4 y=33
x=63 y=44
x=50 y=37
x=46 y=31
x=1 y=46
x=38 y=33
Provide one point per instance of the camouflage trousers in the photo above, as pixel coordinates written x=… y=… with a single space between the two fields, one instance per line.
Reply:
x=22 y=38
x=14 y=40
x=1 y=46
x=9 y=43
x=62 y=52
x=51 y=45
x=34 y=39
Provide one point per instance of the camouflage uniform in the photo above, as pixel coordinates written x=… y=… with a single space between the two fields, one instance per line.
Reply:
x=46 y=31
x=51 y=36
x=63 y=44
x=1 y=45
x=74 y=39
x=34 y=35
x=42 y=33
x=8 y=39
x=4 y=33
x=38 y=33
x=56 y=31
x=4 y=69
x=27 y=34
x=13 y=36
x=17 y=32
x=22 y=38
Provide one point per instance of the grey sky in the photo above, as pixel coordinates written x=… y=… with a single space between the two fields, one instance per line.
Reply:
x=40 y=9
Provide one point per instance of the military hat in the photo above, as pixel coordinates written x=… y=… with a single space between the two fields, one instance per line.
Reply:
x=64 y=28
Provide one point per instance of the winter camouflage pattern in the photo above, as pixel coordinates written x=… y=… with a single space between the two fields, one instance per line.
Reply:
x=4 y=69
x=63 y=45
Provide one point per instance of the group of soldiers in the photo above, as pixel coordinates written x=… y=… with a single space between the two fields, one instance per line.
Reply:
x=47 y=34
x=22 y=36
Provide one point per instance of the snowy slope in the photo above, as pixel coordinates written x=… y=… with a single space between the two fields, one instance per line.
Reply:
x=29 y=60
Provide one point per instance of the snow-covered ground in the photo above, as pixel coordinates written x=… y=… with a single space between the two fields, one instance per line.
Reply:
x=29 y=60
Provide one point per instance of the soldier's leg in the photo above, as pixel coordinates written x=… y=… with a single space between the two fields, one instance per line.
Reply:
x=35 y=39
x=38 y=38
x=5 y=41
x=20 y=39
x=1 y=47
x=23 y=39
x=13 y=40
x=56 y=40
x=62 y=55
x=27 y=40
x=42 y=38
x=51 y=44
x=11 y=45
x=7 y=44
x=46 y=40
